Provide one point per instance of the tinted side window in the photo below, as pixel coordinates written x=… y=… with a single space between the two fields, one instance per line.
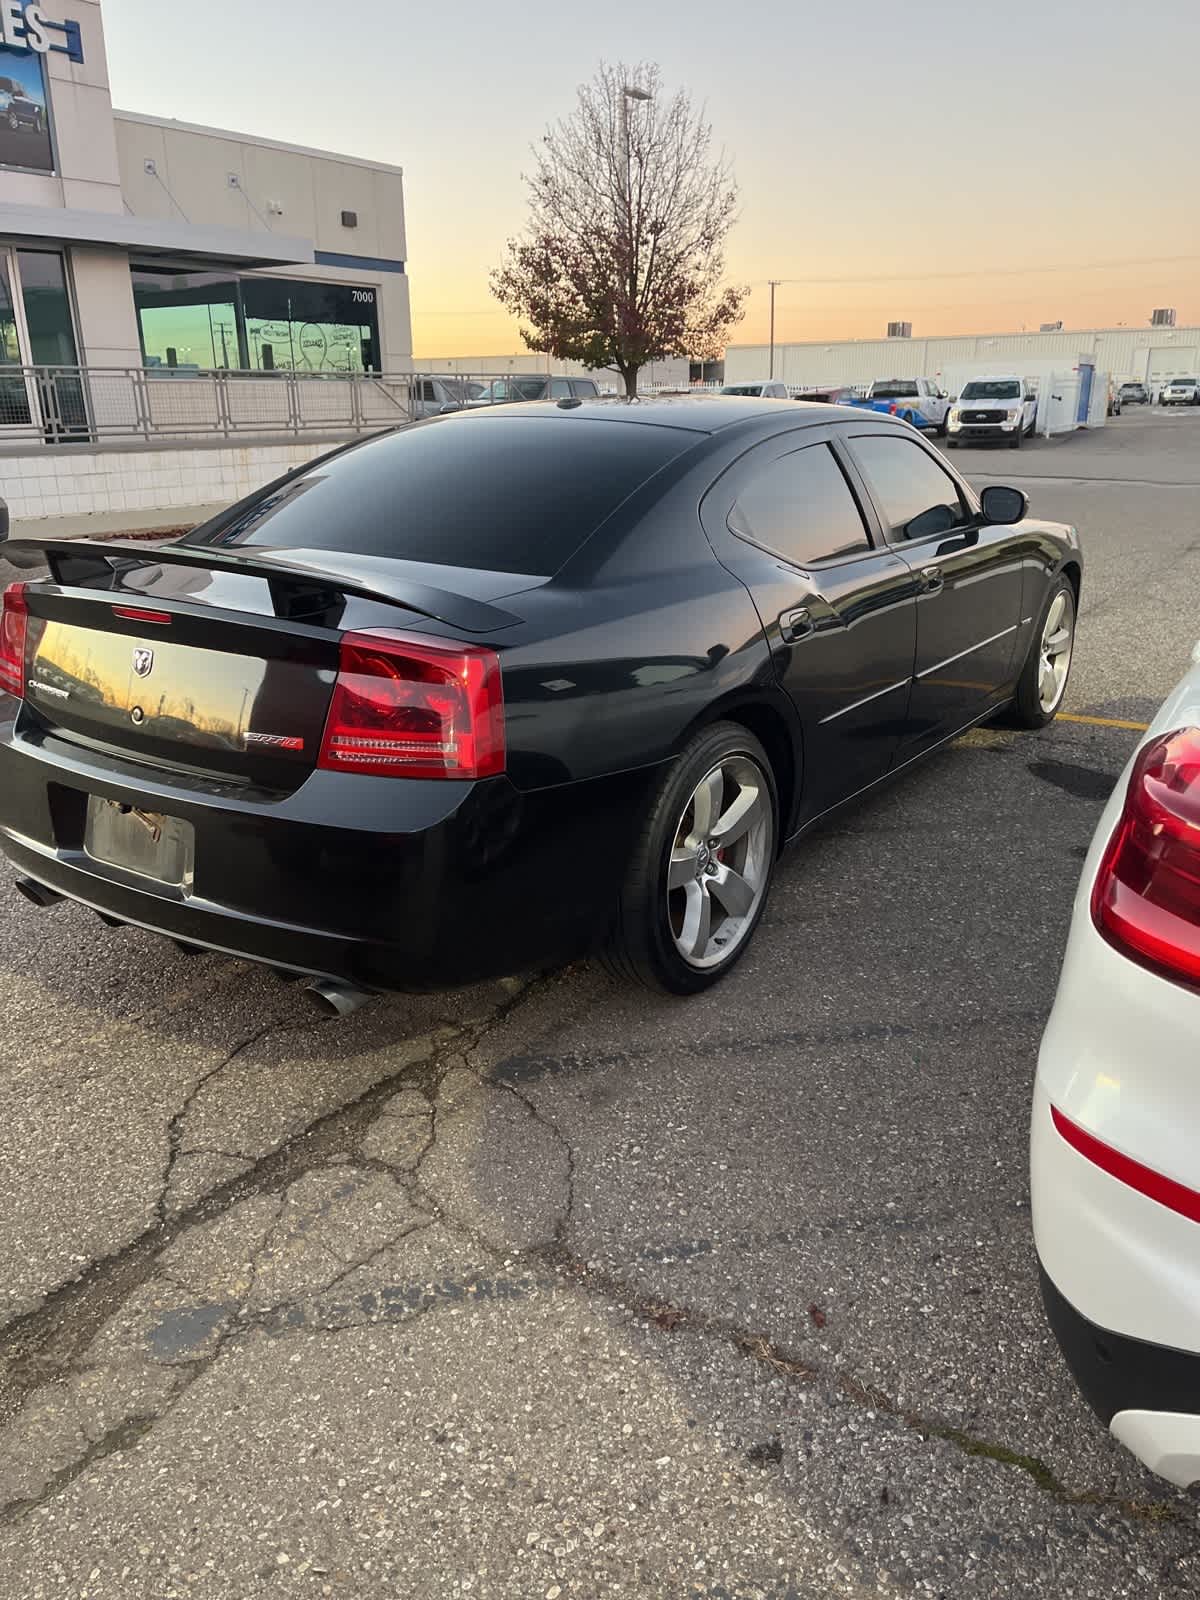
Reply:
x=586 y=388
x=560 y=389
x=800 y=507
x=915 y=497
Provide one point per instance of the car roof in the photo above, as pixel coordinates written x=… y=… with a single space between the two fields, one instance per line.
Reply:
x=700 y=413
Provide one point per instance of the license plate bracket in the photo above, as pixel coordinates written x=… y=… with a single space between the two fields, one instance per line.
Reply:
x=146 y=843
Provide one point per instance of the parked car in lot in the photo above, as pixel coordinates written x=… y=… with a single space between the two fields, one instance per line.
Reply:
x=1115 y=1144
x=1180 y=392
x=506 y=391
x=768 y=389
x=1134 y=394
x=17 y=109
x=838 y=394
x=503 y=688
x=432 y=396
x=993 y=410
x=918 y=401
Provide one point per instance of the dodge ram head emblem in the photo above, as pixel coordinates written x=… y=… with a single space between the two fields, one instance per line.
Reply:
x=143 y=661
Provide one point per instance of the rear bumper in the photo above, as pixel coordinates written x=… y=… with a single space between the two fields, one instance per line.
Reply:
x=388 y=883
x=1147 y=1395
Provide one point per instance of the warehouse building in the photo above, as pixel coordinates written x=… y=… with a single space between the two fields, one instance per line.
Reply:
x=161 y=281
x=1151 y=355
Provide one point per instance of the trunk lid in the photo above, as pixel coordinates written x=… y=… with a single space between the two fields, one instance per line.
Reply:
x=215 y=662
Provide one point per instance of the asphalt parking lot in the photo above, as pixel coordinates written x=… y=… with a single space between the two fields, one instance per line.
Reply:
x=553 y=1289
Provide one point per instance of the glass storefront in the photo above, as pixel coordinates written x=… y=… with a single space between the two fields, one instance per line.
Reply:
x=196 y=320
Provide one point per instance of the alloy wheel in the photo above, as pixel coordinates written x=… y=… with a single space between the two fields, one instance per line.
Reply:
x=1054 y=651
x=720 y=861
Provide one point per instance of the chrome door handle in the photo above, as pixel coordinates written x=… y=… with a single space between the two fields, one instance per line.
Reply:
x=795 y=624
x=931 y=579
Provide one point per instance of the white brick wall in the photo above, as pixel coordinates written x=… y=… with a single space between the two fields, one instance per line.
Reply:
x=48 y=484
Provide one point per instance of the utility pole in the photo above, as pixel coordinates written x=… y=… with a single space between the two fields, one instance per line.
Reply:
x=773 y=284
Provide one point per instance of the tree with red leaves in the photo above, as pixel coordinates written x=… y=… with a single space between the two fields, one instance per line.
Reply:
x=622 y=258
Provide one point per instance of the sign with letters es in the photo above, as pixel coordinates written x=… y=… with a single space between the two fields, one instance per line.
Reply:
x=27 y=27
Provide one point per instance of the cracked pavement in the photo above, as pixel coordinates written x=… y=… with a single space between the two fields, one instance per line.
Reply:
x=553 y=1288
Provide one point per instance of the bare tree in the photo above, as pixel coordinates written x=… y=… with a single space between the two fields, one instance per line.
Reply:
x=622 y=258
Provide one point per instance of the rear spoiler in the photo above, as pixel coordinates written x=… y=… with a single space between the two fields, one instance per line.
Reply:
x=301 y=582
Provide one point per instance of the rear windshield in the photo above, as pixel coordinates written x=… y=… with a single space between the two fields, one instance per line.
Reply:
x=499 y=493
x=754 y=390
x=991 y=389
x=895 y=390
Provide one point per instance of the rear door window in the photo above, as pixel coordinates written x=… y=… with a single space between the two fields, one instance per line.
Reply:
x=916 y=498
x=800 y=506
x=497 y=491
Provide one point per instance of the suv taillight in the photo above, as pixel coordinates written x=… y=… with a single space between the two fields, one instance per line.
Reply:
x=13 y=624
x=410 y=707
x=1146 y=898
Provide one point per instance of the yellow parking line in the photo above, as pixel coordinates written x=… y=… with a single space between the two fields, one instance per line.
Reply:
x=1104 y=722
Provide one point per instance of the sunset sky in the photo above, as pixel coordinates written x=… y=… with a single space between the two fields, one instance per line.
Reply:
x=902 y=160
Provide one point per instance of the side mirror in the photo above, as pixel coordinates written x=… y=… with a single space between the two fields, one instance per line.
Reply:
x=3 y=520
x=1002 y=505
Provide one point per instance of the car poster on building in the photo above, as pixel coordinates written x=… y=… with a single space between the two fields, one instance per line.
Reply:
x=24 y=117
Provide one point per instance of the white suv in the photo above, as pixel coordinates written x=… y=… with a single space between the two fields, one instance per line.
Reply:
x=1180 y=392
x=1115 y=1146
x=1000 y=409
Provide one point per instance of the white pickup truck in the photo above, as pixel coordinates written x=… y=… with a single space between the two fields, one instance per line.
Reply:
x=1002 y=409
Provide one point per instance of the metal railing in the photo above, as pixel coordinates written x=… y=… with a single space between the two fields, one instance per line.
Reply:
x=93 y=405
x=147 y=405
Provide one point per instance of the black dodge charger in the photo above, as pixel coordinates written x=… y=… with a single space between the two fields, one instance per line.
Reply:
x=501 y=689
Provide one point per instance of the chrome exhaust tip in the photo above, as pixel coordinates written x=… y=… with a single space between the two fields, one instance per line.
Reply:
x=37 y=893
x=333 y=998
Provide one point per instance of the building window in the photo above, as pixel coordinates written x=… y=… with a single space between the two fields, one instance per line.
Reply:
x=310 y=327
x=198 y=320
x=47 y=309
x=14 y=394
x=188 y=320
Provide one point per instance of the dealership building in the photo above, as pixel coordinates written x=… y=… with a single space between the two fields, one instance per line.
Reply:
x=176 y=300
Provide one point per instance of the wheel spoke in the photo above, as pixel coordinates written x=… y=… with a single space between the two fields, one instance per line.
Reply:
x=732 y=890
x=1054 y=615
x=697 y=921
x=682 y=869
x=706 y=804
x=1047 y=685
x=1057 y=642
x=738 y=817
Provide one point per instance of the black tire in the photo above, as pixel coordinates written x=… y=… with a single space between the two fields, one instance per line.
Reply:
x=943 y=427
x=641 y=946
x=1026 y=709
x=951 y=444
x=1018 y=436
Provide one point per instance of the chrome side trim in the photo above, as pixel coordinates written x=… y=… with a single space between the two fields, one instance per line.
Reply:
x=865 y=701
x=970 y=650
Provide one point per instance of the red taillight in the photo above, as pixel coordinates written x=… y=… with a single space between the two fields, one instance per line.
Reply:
x=160 y=619
x=415 y=708
x=1146 y=899
x=13 y=622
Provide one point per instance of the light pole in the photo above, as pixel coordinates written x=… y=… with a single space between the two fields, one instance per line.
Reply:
x=773 y=284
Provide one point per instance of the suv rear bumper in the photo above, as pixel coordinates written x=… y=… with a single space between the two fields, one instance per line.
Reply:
x=388 y=883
